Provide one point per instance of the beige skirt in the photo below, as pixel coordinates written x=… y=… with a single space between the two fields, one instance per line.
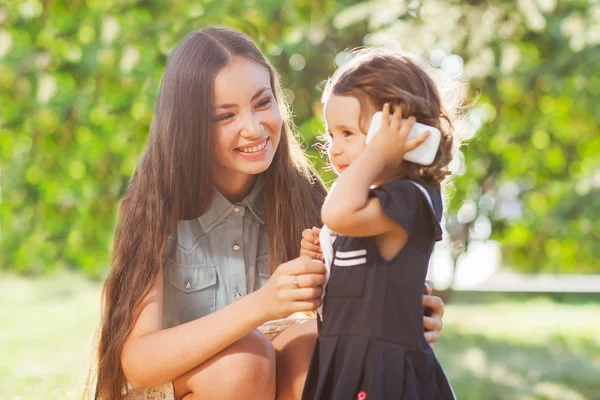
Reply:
x=270 y=329
x=162 y=392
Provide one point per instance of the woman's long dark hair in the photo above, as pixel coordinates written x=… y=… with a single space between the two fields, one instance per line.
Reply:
x=174 y=181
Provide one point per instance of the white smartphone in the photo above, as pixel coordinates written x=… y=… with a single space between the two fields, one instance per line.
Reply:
x=425 y=153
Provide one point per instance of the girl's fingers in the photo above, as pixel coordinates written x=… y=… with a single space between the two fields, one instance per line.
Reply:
x=316 y=231
x=385 y=116
x=311 y=254
x=406 y=128
x=309 y=246
x=309 y=236
x=396 y=119
x=415 y=142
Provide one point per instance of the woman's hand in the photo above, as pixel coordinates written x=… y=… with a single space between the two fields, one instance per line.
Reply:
x=390 y=141
x=310 y=246
x=434 y=310
x=294 y=286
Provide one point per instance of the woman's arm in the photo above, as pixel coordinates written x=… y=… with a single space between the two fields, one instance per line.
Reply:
x=153 y=355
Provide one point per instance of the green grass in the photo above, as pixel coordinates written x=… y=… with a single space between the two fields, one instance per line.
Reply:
x=533 y=349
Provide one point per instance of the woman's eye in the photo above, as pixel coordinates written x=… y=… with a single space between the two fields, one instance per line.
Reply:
x=347 y=133
x=224 y=117
x=264 y=103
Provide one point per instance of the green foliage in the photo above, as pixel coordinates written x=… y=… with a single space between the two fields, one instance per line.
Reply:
x=78 y=82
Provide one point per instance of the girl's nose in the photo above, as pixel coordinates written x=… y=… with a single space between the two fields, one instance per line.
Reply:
x=334 y=150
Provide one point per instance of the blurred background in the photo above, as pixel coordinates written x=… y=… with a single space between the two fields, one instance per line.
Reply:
x=520 y=264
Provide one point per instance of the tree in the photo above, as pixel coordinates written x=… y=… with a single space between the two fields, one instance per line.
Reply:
x=78 y=83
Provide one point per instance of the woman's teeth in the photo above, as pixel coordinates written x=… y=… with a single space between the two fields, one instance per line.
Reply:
x=253 y=149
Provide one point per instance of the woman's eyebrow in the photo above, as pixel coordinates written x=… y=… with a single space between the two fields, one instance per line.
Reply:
x=256 y=95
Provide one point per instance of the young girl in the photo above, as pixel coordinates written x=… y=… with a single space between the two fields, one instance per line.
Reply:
x=386 y=214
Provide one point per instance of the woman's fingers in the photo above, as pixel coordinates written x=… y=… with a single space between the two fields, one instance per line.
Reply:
x=433 y=323
x=310 y=280
x=304 y=265
x=436 y=304
x=307 y=305
x=432 y=337
x=301 y=281
x=301 y=294
x=428 y=288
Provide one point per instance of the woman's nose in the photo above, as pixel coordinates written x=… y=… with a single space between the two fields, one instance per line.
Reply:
x=251 y=128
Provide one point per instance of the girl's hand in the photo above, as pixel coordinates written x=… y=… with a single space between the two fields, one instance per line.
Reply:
x=432 y=319
x=310 y=246
x=294 y=286
x=390 y=141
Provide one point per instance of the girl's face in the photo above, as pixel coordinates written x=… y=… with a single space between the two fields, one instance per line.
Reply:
x=247 y=120
x=346 y=139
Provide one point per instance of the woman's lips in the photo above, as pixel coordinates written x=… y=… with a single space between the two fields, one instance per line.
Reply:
x=255 y=149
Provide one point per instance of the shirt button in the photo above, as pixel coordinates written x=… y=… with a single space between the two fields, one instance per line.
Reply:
x=236 y=247
x=237 y=209
x=188 y=284
x=238 y=296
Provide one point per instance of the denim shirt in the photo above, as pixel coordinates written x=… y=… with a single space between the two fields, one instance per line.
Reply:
x=215 y=259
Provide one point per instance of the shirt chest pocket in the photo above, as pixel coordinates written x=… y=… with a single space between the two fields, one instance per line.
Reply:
x=190 y=291
x=347 y=274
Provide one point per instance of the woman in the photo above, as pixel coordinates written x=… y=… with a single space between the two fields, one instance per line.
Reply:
x=207 y=238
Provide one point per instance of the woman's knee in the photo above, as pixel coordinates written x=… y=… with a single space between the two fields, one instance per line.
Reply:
x=247 y=367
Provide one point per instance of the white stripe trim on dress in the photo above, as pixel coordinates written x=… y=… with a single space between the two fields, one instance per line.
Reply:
x=425 y=193
x=350 y=254
x=350 y=263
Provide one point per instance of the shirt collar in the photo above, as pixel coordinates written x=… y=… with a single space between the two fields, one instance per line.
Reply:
x=256 y=199
x=220 y=207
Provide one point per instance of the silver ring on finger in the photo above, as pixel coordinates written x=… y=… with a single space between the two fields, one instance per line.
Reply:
x=295 y=281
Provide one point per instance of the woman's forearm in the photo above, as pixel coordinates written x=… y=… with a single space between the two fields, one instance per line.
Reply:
x=163 y=355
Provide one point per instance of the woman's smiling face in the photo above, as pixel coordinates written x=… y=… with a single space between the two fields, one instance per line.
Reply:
x=248 y=123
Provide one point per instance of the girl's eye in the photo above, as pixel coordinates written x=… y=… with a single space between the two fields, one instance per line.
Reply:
x=223 y=117
x=347 y=133
x=264 y=102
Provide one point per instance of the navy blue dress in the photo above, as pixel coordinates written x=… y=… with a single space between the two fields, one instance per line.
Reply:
x=371 y=344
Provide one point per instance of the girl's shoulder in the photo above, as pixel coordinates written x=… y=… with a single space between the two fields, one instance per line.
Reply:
x=404 y=200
